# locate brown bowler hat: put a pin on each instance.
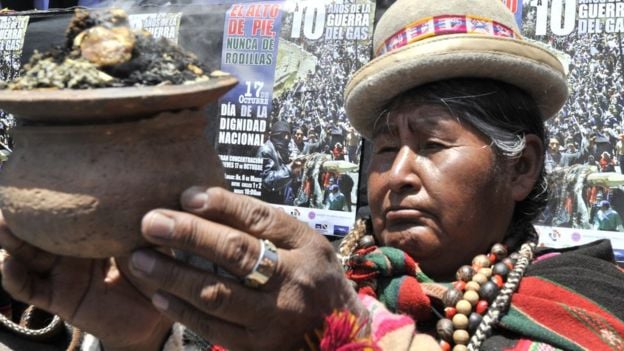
(420, 42)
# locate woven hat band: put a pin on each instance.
(445, 25)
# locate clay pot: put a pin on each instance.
(82, 189)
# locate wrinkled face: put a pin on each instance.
(435, 190)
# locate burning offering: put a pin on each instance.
(102, 51)
(111, 125)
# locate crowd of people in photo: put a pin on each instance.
(588, 131)
(6, 123)
(314, 103)
(296, 172)
(319, 131)
(8, 70)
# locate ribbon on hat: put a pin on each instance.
(445, 25)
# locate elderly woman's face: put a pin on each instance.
(435, 190)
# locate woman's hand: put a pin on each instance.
(224, 228)
(93, 295)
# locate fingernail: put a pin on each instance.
(194, 199)
(160, 302)
(143, 262)
(159, 225)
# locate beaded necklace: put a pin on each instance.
(479, 296)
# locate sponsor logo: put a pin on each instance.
(321, 228)
(295, 213)
(554, 235)
(341, 230)
(576, 236)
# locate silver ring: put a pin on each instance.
(265, 267)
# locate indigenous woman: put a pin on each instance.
(454, 104)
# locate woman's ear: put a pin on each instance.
(527, 168)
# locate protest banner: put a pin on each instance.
(283, 132)
(585, 155)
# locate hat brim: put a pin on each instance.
(520, 63)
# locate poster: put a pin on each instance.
(12, 33)
(283, 132)
(585, 155)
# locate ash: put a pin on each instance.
(101, 50)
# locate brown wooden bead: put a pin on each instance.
(464, 307)
(480, 261)
(460, 348)
(366, 241)
(444, 328)
(499, 250)
(451, 297)
(472, 297)
(465, 273)
(472, 285)
(460, 321)
(486, 272)
(461, 337)
(480, 278)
